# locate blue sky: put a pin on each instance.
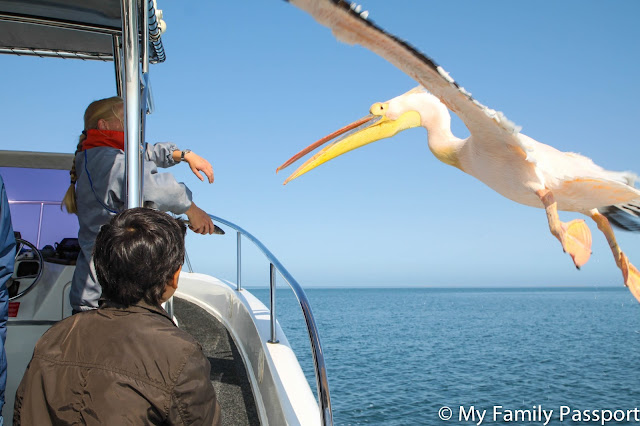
(249, 88)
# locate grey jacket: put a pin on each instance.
(100, 195)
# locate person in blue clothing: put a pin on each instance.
(7, 259)
(97, 189)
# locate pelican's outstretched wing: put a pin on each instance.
(624, 216)
(351, 26)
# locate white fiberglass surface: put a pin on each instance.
(282, 391)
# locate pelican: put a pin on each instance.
(511, 163)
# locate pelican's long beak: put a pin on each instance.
(362, 132)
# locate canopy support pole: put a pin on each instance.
(133, 151)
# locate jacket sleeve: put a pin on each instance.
(193, 400)
(163, 192)
(7, 255)
(7, 258)
(161, 154)
(19, 399)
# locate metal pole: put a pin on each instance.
(40, 225)
(239, 262)
(145, 83)
(131, 86)
(186, 258)
(56, 23)
(168, 306)
(145, 36)
(272, 270)
(117, 63)
(143, 108)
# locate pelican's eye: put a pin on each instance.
(379, 108)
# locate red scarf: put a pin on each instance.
(96, 138)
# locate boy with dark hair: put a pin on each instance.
(126, 362)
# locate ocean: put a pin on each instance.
(473, 356)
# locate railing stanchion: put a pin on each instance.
(40, 224)
(188, 262)
(168, 306)
(239, 262)
(272, 282)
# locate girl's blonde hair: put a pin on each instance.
(102, 109)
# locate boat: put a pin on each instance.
(264, 383)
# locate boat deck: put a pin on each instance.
(228, 373)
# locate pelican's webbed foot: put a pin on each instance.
(630, 273)
(574, 236)
(631, 276)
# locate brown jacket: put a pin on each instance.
(117, 366)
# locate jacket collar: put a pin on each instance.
(138, 307)
(98, 138)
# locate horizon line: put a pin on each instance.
(547, 287)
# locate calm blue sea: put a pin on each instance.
(398, 356)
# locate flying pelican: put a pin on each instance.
(496, 153)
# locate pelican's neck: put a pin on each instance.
(436, 119)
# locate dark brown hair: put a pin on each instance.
(137, 253)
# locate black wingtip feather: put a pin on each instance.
(622, 217)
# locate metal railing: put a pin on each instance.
(37, 203)
(324, 399)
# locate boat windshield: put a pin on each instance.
(34, 198)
